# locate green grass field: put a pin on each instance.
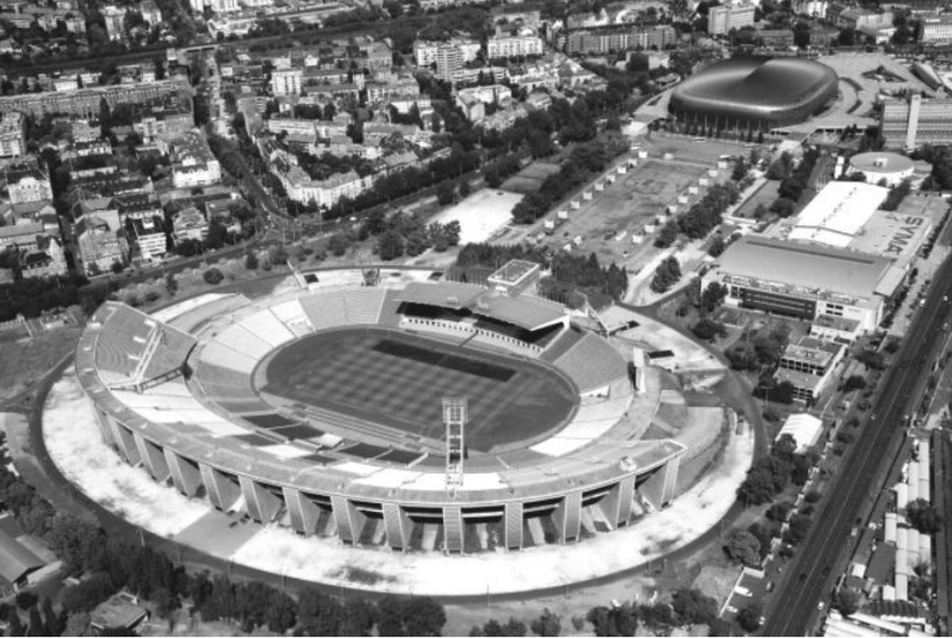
(399, 380)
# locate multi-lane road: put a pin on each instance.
(793, 607)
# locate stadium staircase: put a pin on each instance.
(363, 305)
(326, 310)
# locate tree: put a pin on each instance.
(465, 188)
(749, 617)
(390, 245)
(713, 296)
(717, 246)
(854, 382)
(667, 274)
(778, 511)
(338, 245)
(668, 235)
(213, 276)
(620, 620)
(171, 284)
(743, 547)
(708, 329)
(923, 516)
(548, 624)
(847, 601)
(251, 260)
(445, 192)
(77, 625)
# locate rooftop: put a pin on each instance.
(121, 611)
(811, 350)
(16, 561)
(838, 212)
(806, 269)
(514, 270)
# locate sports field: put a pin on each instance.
(399, 380)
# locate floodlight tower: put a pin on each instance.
(454, 418)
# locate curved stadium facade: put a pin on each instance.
(224, 399)
(754, 93)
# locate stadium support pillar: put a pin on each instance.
(626, 494)
(397, 525)
(350, 521)
(185, 476)
(127, 445)
(262, 505)
(222, 491)
(105, 426)
(153, 459)
(453, 529)
(609, 505)
(513, 526)
(568, 517)
(303, 512)
(660, 486)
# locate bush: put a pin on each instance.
(251, 260)
(844, 437)
(749, 617)
(854, 382)
(812, 496)
(213, 276)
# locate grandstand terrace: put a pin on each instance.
(378, 478)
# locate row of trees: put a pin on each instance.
(702, 217)
(570, 274)
(408, 180)
(400, 233)
(587, 160)
(771, 474)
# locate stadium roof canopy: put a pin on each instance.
(838, 213)
(806, 266)
(529, 313)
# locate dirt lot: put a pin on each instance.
(609, 220)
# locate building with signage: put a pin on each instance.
(805, 281)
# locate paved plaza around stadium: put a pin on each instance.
(398, 380)
(75, 444)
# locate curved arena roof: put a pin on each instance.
(882, 163)
(756, 90)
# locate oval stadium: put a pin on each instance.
(754, 93)
(405, 414)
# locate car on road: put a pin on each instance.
(742, 591)
(821, 605)
(731, 609)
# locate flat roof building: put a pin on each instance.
(808, 365)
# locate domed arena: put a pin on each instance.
(754, 93)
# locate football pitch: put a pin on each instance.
(398, 380)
